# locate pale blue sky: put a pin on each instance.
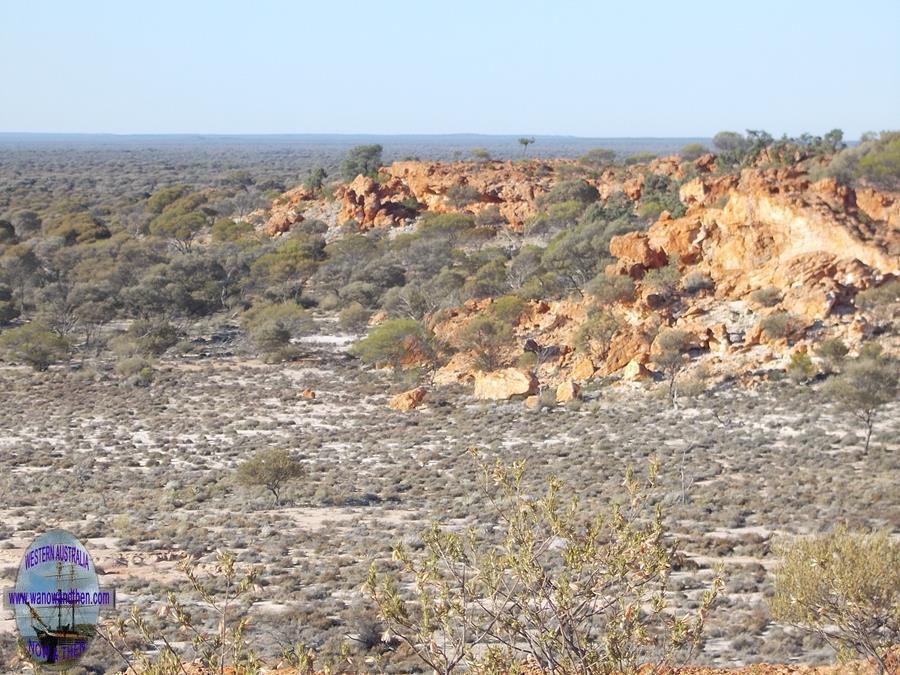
(603, 68)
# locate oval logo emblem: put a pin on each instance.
(57, 600)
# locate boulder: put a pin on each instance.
(567, 391)
(500, 385)
(583, 369)
(532, 402)
(625, 347)
(408, 400)
(635, 371)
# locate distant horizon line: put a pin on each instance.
(456, 134)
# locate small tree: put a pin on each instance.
(595, 334)
(33, 344)
(271, 468)
(179, 227)
(832, 351)
(692, 151)
(362, 160)
(487, 337)
(315, 179)
(598, 157)
(672, 358)
(866, 385)
(525, 141)
(507, 308)
(844, 587)
(396, 342)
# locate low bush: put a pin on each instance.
(33, 344)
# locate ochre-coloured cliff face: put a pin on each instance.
(817, 243)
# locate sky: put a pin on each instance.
(602, 68)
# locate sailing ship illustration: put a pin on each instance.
(62, 637)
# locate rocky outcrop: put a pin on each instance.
(285, 211)
(817, 243)
(375, 204)
(774, 229)
(501, 385)
(408, 400)
(879, 206)
(513, 188)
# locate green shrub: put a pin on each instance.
(777, 325)
(507, 308)
(801, 368)
(882, 301)
(844, 587)
(693, 151)
(33, 344)
(664, 280)
(766, 297)
(226, 230)
(153, 337)
(395, 342)
(598, 157)
(489, 216)
(354, 318)
(574, 190)
(640, 158)
(487, 337)
(460, 196)
(558, 216)
(135, 370)
(651, 210)
(832, 350)
(611, 288)
(272, 326)
(696, 282)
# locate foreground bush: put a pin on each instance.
(562, 589)
(224, 599)
(845, 587)
(33, 344)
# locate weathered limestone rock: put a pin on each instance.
(500, 385)
(583, 369)
(408, 400)
(567, 391)
(635, 371)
